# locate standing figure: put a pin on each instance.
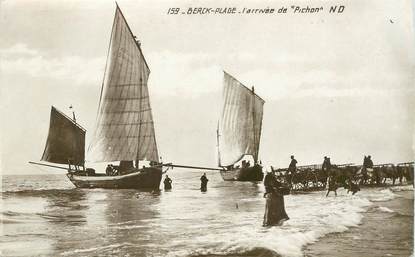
(167, 183)
(369, 163)
(203, 182)
(109, 170)
(293, 165)
(326, 167)
(274, 208)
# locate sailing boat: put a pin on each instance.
(239, 131)
(124, 129)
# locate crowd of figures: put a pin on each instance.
(350, 176)
(279, 182)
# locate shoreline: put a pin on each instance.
(385, 230)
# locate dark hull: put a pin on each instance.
(243, 174)
(147, 178)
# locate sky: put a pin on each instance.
(340, 85)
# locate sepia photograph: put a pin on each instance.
(192, 128)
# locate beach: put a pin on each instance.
(386, 230)
(44, 215)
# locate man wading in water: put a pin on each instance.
(274, 208)
(167, 183)
(203, 183)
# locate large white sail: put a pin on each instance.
(124, 128)
(240, 122)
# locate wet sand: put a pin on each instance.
(386, 230)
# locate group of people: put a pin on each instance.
(111, 170)
(331, 183)
(246, 164)
(275, 213)
(203, 183)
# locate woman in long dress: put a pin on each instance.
(274, 208)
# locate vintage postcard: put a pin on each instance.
(207, 128)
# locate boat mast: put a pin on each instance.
(74, 120)
(217, 139)
(253, 125)
(140, 116)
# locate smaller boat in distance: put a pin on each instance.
(239, 132)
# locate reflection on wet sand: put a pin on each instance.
(114, 222)
(32, 216)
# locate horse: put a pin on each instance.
(407, 172)
(344, 174)
(332, 185)
(382, 173)
(321, 177)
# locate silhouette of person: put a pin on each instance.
(274, 207)
(203, 182)
(326, 165)
(293, 165)
(108, 170)
(167, 183)
(369, 161)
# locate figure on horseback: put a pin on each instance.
(292, 169)
(331, 176)
(367, 170)
(326, 167)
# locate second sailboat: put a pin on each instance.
(239, 132)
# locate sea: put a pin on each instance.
(44, 215)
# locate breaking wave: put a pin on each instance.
(312, 216)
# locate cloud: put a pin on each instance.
(19, 59)
(18, 50)
(194, 74)
(183, 74)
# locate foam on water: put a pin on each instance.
(93, 249)
(311, 217)
(402, 188)
(225, 220)
(385, 209)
